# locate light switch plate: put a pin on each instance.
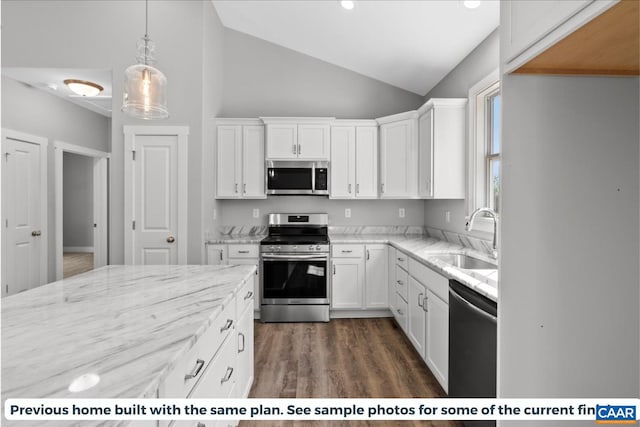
(401, 213)
(347, 213)
(256, 213)
(447, 216)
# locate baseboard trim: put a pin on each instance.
(359, 314)
(84, 249)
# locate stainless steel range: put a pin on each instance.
(294, 265)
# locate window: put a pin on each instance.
(485, 146)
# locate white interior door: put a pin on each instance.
(24, 212)
(100, 197)
(157, 169)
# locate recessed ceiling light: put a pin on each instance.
(471, 4)
(83, 87)
(347, 4)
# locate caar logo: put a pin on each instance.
(609, 414)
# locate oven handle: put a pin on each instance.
(310, 257)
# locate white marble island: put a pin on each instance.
(133, 326)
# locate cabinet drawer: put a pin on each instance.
(189, 369)
(402, 260)
(245, 296)
(219, 377)
(402, 282)
(243, 251)
(400, 312)
(436, 283)
(347, 251)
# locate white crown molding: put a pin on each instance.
(413, 114)
(298, 120)
(442, 103)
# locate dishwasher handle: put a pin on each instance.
(478, 310)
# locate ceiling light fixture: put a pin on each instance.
(347, 4)
(145, 87)
(471, 4)
(81, 87)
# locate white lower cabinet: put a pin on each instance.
(417, 316)
(216, 254)
(376, 295)
(437, 338)
(347, 283)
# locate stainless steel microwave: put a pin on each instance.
(297, 178)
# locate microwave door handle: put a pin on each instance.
(313, 178)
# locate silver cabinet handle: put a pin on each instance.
(346, 251)
(400, 312)
(299, 149)
(236, 187)
(248, 295)
(196, 370)
(334, 269)
(227, 376)
(227, 325)
(240, 350)
(244, 188)
(243, 252)
(357, 188)
(420, 296)
(221, 255)
(400, 282)
(294, 149)
(368, 255)
(382, 187)
(400, 259)
(349, 188)
(424, 304)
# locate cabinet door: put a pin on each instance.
(398, 178)
(216, 254)
(417, 315)
(343, 152)
(425, 149)
(391, 284)
(313, 142)
(229, 161)
(347, 281)
(366, 163)
(244, 355)
(376, 287)
(437, 345)
(256, 284)
(282, 141)
(253, 178)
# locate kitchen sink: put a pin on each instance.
(465, 262)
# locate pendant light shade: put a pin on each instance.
(145, 87)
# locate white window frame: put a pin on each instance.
(477, 149)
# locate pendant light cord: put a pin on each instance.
(146, 29)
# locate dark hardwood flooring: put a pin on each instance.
(345, 358)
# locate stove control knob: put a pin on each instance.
(317, 247)
(311, 247)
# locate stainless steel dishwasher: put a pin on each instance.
(472, 346)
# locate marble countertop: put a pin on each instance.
(232, 239)
(128, 324)
(423, 249)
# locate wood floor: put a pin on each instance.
(76, 263)
(345, 358)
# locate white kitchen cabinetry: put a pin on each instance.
(417, 316)
(441, 147)
(217, 255)
(354, 159)
(359, 280)
(399, 156)
(240, 159)
(290, 138)
(529, 27)
(399, 289)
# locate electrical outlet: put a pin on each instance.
(256, 213)
(401, 212)
(447, 216)
(347, 213)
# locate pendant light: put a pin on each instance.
(145, 87)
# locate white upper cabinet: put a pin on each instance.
(529, 27)
(240, 159)
(441, 148)
(354, 160)
(290, 138)
(399, 156)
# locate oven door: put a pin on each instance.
(294, 279)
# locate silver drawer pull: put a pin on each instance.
(400, 282)
(227, 325)
(227, 376)
(243, 252)
(240, 350)
(344, 251)
(248, 295)
(196, 370)
(400, 312)
(420, 303)
(400, 259)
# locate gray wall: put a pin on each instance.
(363, 212)
(75, 38)
(77, 203)
(33, 111)
(478, 64)
(568, 309)
(264, 79)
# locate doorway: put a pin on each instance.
(81, 209)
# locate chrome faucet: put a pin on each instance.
(494, 216)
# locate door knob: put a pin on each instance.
(36, 233)
(171, 239)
